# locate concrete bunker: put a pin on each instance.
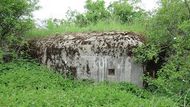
(96, 56)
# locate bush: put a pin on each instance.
(167, 51)
(15, 21)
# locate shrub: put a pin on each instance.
(15, 20)
(167, 51)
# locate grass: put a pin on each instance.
(28, 84)
(100, 26)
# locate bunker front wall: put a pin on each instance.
(98, 57)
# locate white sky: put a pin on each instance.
(58, 8)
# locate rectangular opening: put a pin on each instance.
(111, 72)
(73, 72)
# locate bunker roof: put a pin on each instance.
(98, 42)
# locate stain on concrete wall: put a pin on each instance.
(97, 56)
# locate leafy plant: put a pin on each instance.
(16, 19)
(167, 51)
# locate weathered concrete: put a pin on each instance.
(97, 56)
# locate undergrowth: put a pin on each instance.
(28, 84)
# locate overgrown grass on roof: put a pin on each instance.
(99, 27)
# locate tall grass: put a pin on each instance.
(99, 27)
(27, 84)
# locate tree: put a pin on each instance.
(15, 20)
(96, 10)
(122, 10)
(126, 11)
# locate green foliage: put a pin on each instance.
(174, 76)
(50, 24)
(143, 55)
(15, 19)
(122, 10)
(168, 47)
(25, 83)
(96, 11)
(98, 27)
(185, 27)
(1, 55)
(168, 18)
